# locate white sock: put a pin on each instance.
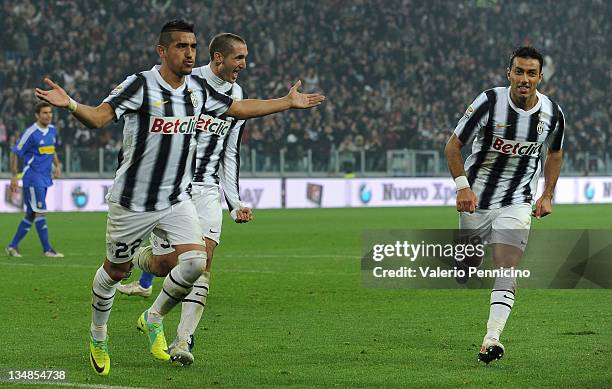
(193, 307)
(178, 283)
(103, 294)
(502, 301)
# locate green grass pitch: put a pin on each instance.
(287, 308)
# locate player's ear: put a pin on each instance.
(218, 58)
(508, 73)
(161, 51)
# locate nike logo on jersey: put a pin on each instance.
(213, 232)
(160, 103)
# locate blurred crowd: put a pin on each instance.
(398, 74)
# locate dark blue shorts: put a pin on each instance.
(34, 198)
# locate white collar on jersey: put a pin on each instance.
(163, 82)
(535, 108)
(216, 81)
(43, 130)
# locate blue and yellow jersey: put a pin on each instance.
(37, 148)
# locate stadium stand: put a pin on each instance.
(397, 73)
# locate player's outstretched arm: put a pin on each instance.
(245, 109)
(466, 198)
(552, 170)
(92, 117)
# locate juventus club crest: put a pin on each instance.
(194, 99)
(541, 123)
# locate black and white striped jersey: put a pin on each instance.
(504, 165)
(218, 154)
(155, 166)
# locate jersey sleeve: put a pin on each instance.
(216, 103)
(127, 96)
(555, 139)
(230, 168)
(24, 144)
(474, 118)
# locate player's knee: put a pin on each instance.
(507, 262)
(507, 255)
(194, 260)
(119, 274)
(118, 271)
(30, 216)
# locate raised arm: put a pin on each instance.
(92, 117)
(245, 109)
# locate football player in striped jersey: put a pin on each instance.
(512, 129)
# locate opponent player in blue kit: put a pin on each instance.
(41, 164)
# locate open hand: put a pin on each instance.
(56, 96)
(303, 100)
